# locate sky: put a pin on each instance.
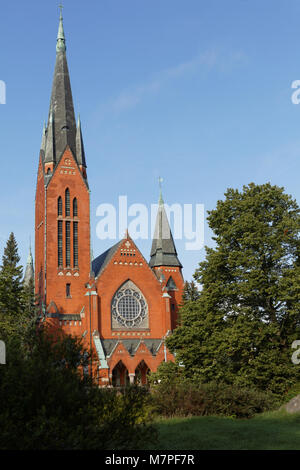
(197, 92)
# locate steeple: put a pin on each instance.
(163, 252)
(61, 130)
(29, 271)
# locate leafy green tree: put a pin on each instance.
(242, 326)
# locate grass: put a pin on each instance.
(268, 431)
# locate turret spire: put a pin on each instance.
(79, 145)
(163, 252)
(29, 271)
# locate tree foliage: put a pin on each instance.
(190, 292)
(47, 403)
(17, 301)
(11, 289)
(242, 326)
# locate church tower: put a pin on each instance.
(165, 263)
(62, 205)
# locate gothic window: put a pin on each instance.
(68, 238)
(171, 284)
(60, 243)
(129, 308)
(75, 207)
(59, 206)
(75, 244)
(67, 202)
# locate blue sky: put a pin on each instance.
(198, 92)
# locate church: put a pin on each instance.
(120, 304)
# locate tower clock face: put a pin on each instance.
(129, 308)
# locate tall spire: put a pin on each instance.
(61, 110)
(163, 251)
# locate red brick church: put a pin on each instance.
(121, 304)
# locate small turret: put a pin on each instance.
(29, 271)
(163, 252)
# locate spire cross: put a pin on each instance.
(160, 180)
(60, 6)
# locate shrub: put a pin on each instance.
(188, 398)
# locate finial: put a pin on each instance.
(161, 201)
(29, 259)
(61, 41)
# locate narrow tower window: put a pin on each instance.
(60, 243)
(67, 202)
(59, 206)
(75, 207)
(68, 290)
(68, 237)
(75, 244)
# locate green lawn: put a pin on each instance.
(268, 431)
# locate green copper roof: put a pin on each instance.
(61, 40)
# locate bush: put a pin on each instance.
(46, 403)
(188, 398)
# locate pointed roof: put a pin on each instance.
(61, 112)
(29, 271)
(102, 260)
(80, 154)
(163, 251)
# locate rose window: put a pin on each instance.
(129, 308)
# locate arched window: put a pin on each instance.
(75, 207)
(68, 240)
(59, 206)
(129, 308)
(67, 202)
(171, 284)
(60, 243)
(75, 244)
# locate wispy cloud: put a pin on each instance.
(210, 59)
(130, 98)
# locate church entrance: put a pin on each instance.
(120, 377)
(141, 373)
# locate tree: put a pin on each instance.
(190, 292)
(242, 326)
(47, 403)
(11, 289)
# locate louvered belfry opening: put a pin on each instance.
(70, 227)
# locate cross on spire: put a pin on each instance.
(160, 180)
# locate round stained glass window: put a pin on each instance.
(129, 308)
